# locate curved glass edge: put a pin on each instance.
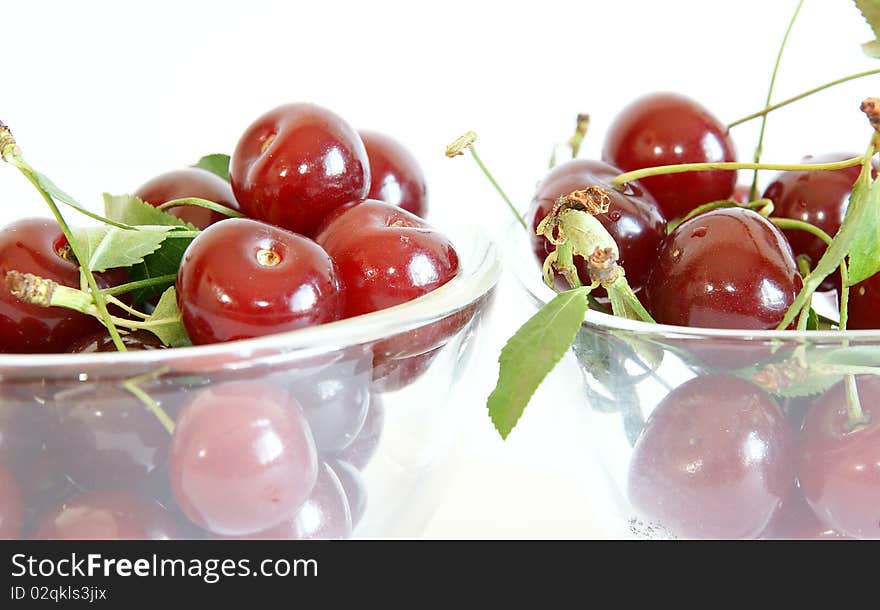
(478, 275)
(517, 249)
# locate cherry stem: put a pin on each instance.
(201, 203)
(680, 168)
(565, 264)
(12, 155)
(855, 416)
(161, 280)
(760, 145)
(791, 224)
(801, 96)
(497, 186)
(152, 405)
(758, 206)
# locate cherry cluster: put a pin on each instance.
(727, 267)
(331, 227)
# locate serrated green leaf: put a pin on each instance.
(164, 261)
(131, 210)
(812, 320)
(166, 321)
(57, 194)
(105, 247)
(531, 353)
(217, 163)
(870, 10)
(864, 251)
(811, 386)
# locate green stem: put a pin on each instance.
(148, 283)
(625, 302)
(114, 301)
(759, 147)
(758, 205)
(201, 203)
(565, 264)
(801, 96)
(152, 405)
(855, 416)
(681, 168)
(18, 162)
(497, 186)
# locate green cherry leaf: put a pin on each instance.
(131, 210)
(107, 247)
(217, 163)
(58, 195)
(870, 10)
(864, 252)
(166, 321)
(531, 353)
(811, 386)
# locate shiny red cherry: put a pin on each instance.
(395, 175)
(386, 256)
(35, 245)
(727, 268)
(633, 218)
(713, 461)
(667, 129)
(107, 515)
(296, 164)
(819, 198)
(839, 466)
(864, 305)
(189, 182)
(795, 520)
(241, 278)
(242, 458)
(11, 512)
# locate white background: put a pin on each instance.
(104, 95)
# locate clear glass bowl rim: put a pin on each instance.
(480, 269)
(518, 250)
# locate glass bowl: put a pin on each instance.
(83, 435)
(705, 433)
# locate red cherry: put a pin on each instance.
(393, 375)
(839, 469)
(666, 129)
(324, 515)
(396, 176)
(819, 198)
(139, 340)
(242, 458)
(864, 304)
(714, 460)
(795, 520)
(108, 515)
(727, 268)
(189, 182)
(386, 256)
(32, 246)
(11, 514)
(363, 448)
(296, 164)
(241, 278)
(633, 219)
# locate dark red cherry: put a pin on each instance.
(296, 164)
(727, 268)
(386, 256)
(11, 512)
(108, 515)
(795, 520)
(667, 129)
(189, 182)
(633, 219)
(324, 515)
(361, 451)
(714, 460)
(864, 305)
(393, 375)
(241, 278)
(395, 175)
(839, 466)
(819, 198)
(139, 340)
(35, 245)
(107, 437)
(242, 458)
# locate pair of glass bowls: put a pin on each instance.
(375, 391)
